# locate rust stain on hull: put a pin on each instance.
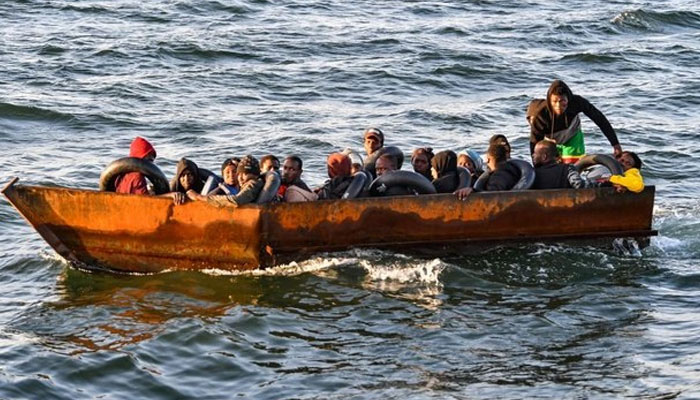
(149, 234)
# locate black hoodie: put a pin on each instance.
(445, 163)
(543, 121)
(182, 165)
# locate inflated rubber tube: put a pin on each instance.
(465, 178)
(269, 190)
(355, 157)
(357, 185)
(527, 177)
(133, 164)
(394, 151)
(408, 179)
(603, 159)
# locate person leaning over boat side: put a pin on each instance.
(420, 160)
(549, 172)
(135, 182)
(339, 166)
(269, 162)
(186, 177)
(557, 118)
(444, 171)
(248, 175)
(631, 179)
(293, 189)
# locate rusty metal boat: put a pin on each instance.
(129, 233)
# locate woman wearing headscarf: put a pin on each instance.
(420, 160)
(444, 171)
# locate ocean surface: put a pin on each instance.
(212, 79)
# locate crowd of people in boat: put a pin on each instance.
(556, 144)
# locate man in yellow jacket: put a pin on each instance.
(631, 179)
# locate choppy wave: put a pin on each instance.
(657, 20)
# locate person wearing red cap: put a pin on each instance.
(374, 140)
(339, 166)
(135, 182)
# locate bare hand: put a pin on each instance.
(179, 198)
(617, 150)
(463, 193)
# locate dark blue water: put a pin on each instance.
(213, 79)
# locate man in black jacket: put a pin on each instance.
(549, 172)
(557, 118)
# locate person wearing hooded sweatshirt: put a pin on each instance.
(339, 166)
(444, 171)
(420, 160)
(186, 177)
(557, 118)
(248, 174)
(135, 182)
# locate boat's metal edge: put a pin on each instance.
(9, 184)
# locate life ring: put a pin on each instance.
(465, 178)
(272, 185)
(527, 177)
(133, 164)
(355, 157)
(603, 159)
(371, 160)
(408, 179)
(357, 185)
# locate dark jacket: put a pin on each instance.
(334, 188)
(182, 165)
(543, 122)
(504, 178)
(557, 176)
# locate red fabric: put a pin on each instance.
(131, 183)
(140, 148)
(339, 165)
(282, 190)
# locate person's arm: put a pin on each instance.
(178, 198)
(583, 105)
(538, 127)
(574, 178)
(248, 194)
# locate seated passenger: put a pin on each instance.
(444, 172)
(230, 176)
(186, 177)
(135, 182)
(339, 167)
(549, 172)
(293, 189)
(248, 175)
(373, 140)
(385, 163)
(504, 175)
(472, 162)
(631, 179)
(269, 162)
(420, 160)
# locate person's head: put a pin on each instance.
(186, 176)
(545, 153)
(385, 163)
(338, 165)
(291, 169)
(420, 159)
(558, 97)
(269, 162)
(501, 139)
(228, 171)
(443, 163)
(464, 161)
(496, 155)
(248, 169)
(629, 160)
(142, 148)
(187, 179)
(374, 140)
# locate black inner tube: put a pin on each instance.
(406, 179)
(603, 159)
(133, 164)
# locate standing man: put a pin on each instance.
(556, 118)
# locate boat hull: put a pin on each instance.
(149, 234)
